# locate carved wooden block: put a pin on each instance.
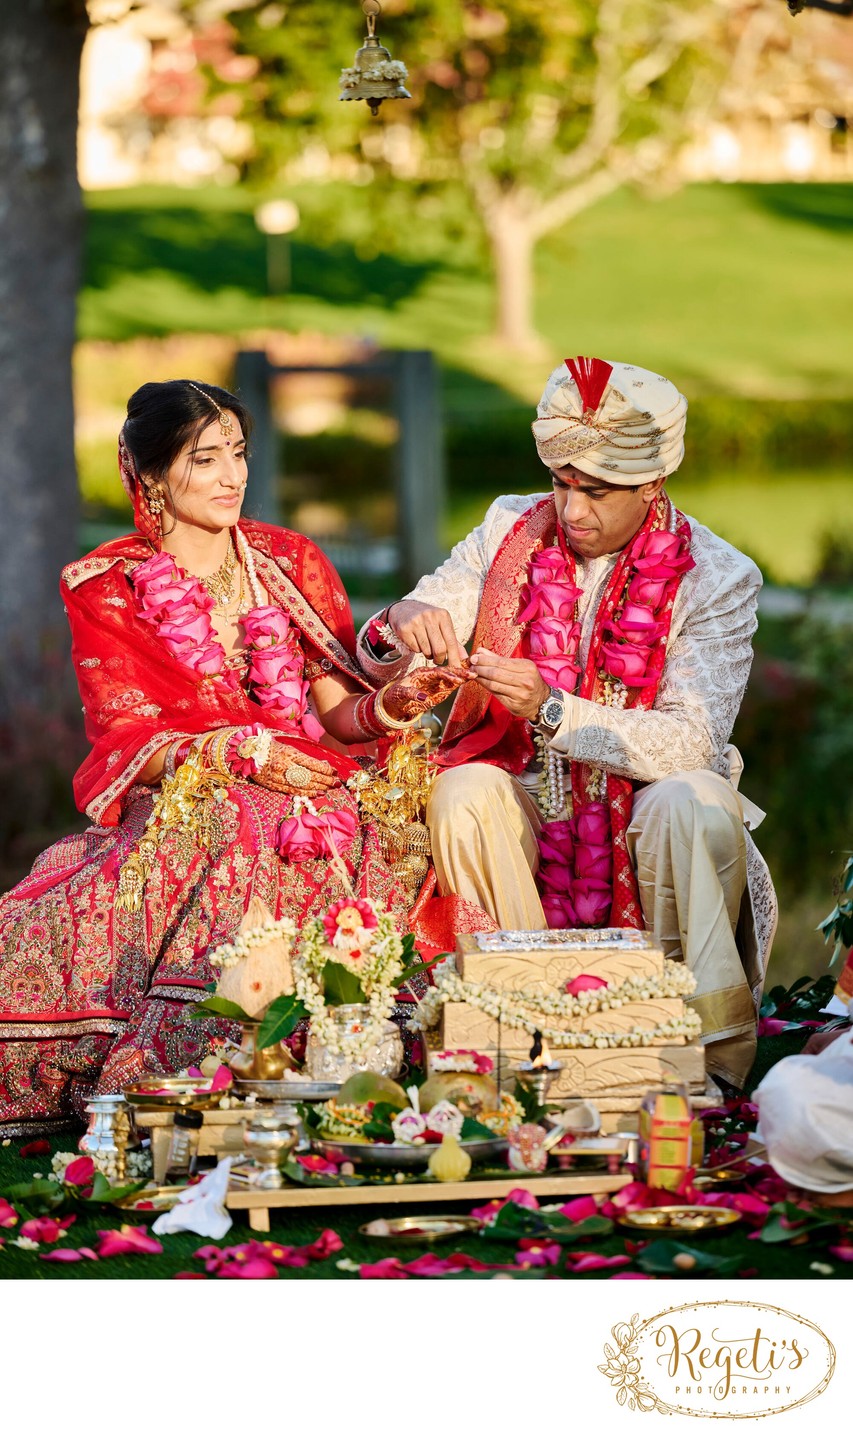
(463, 1026)
(598, 1073)
(544, 962)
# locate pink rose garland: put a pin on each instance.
(179, 607)
(576, 856)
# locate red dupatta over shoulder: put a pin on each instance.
(137, 696)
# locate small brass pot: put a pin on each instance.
(254, 1062)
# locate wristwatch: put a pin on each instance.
(551, 713)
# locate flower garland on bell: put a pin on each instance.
(178, 608)
(373, 952)
(228, 955)
(524, 1008)
(575, 876)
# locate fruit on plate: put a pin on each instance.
(363, 1088)
(469, 1092)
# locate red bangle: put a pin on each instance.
(182, 752)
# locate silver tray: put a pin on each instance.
(286, 1090)
(400, 1156)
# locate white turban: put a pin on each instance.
(611, 420)
(805, 1107)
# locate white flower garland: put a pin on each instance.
(376, 972)
(508, 1008)
(228, 955)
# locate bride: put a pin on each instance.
(220, 649)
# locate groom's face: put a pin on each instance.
(599, 518)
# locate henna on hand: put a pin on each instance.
(289, 771)
(421, 690)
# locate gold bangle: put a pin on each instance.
(385, 718)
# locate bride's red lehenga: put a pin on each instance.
(92, 995)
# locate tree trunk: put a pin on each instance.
(41, 223)
(512, 246)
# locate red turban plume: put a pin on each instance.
(590, 376)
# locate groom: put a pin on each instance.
(587, 778)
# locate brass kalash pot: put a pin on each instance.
(260, 1063)
(374, 76)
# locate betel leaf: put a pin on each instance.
(102, 1191)
(415, 968)
(472, 1131)
(37, 1197)
(514, 1221)
(298, 1174)
(341, 987)
(282, 1017)
(379, 1127)
(660, 1258)
(214, 1007)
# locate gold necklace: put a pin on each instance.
(230, 610)
(218, 584)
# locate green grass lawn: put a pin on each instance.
(741, 289)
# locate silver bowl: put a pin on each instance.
(400, 1157)
(287, 1090)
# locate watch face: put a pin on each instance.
(552, 713)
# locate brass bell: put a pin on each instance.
(374, 76)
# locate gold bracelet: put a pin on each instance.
(218, 746)
(385, 718)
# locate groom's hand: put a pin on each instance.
(516, 683)
(427, 630)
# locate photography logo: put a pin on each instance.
(718, 1359)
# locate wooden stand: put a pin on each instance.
(259, 1204)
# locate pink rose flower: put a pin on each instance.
(191, 632)
(307, 835)
(207, 660)
(582, 1207)
(557, 842)
(559, 911)
(594, 860)
(592, 900)
(80, 1173)
(299, 839)
(549, 566)
(554, 636)
(265, 626)
(559, 672)
(628, 663)
(646, 591)
(556, 878)
(8, 1215)
(592, 824)
(547, 601)
(584, 983)
(288, 697)
(637, 625)
(278, 665)
(664, 556)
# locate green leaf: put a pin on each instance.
(340, 986)
(473, 1130)
(533, 1111)
(379, 1127)
(298, 1174)
(280, 1020)
(214, 1007)
(514, 1222)
(659, 1257)
(34, 1199)
(415, 968)
(106, 1194)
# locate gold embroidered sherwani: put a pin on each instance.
(706, 891)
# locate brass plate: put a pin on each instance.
(679, 1217)
(160, 1090)
(719, 1177)
(418, 1229)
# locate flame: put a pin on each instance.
(540, 1053)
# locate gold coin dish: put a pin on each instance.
(679, 1217)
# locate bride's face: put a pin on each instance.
(208, 478)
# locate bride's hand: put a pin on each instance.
(289, 771)
(421, 690)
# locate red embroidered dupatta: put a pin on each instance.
(137, 697)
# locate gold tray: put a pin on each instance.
(679, 1217)
(160, 1090)
(419, 1229)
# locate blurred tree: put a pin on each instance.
(40, 236)
(540, 109)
